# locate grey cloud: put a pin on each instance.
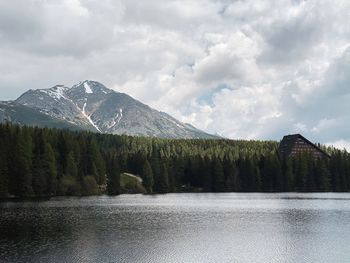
(293, 40)
(19, 21)
(52, 28)
(284, 63)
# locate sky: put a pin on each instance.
(243, 69)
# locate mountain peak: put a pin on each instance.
(91, 86)
(90, 105)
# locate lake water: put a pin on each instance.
(178, 228)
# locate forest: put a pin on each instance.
(42, 162)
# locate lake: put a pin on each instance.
(227, 227)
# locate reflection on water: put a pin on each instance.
(178, 228)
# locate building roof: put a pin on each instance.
(288, 141)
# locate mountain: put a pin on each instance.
(89, 105)
(20, 114)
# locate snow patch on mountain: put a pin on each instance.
(88, 117)
(114, 121)
(120, 115)
(87, 88)
(56, 92)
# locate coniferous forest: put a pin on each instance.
(50, 162)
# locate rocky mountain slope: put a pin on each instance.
(89, 105)
(20, 114)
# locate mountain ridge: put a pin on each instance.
(89, 105)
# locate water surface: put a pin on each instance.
(178, 228)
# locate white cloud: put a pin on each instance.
(340, 144)
(243, 69)
(76, 8)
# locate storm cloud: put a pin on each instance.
(243, 69)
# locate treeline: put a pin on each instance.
(49, 162)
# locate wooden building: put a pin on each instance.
(292, 145)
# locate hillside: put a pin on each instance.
(49, 162)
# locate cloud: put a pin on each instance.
(340, 144)
(246, 69)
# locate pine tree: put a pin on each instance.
(218, 176)
(287, 169)
(310, 179)
(248, 174)
(205, 170)
(50, 169)
(163, 185)
(147, 177)
(96, 165)
(113, 175)
(3, 172)
(62, 153)
(323, 176)
(232, 183)
(171, 176)
(258, 182)
(179, 171)
(72, 168)
(156, 169)
(301, 172)
(24, 163)
(193, 175)
(276, 168)
(39, 178)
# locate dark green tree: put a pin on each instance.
(301, 172)
(71, 166)
(206, 172)
(3, 172)
(24, 163)
(287, 170)
(323, 176)
(96, 165)
(163, 185)
(113, 175)
(147, 177)
(218, 176)
(248, 174)
(50, 170)
(232, 182)
(156, 169)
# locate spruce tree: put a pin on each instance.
(3, 173)
(24, 163)
(311, 176)
(113, 175)
(206, 172)
(278, 180)
(232, 183)
(248, 174)
(288, 175)
(171, 176)
(147, 177)
(323, 176)
(163, 185)
(71, 166)
(156, 169)
(38, 177)
(301, 172)
(96, 165)
(218, 176)
(50, 169)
